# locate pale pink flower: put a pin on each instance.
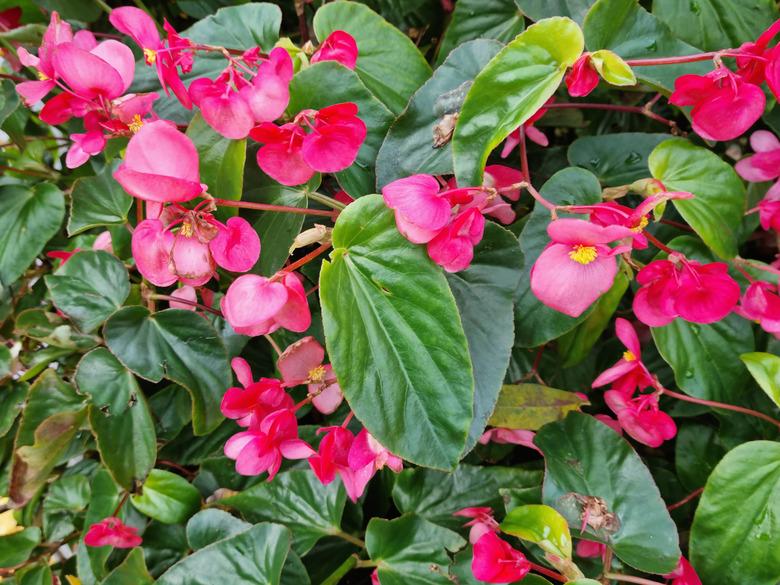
(301, 363)
(522, 437)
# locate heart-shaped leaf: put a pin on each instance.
(531, 406)
(167, 497)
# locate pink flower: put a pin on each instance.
(629, 373)
(724, 105)
(610, 422)
(641, 418)
(499, 180)
(104, 242)
(588, 549)
(501, 436)
(481, 522)
(255, 305)
(332, 458)
(375, 577)
(421, 208)
(105, 71)
(161, 164)
(582, 78)
(112, 532)
(88, 144)
(531, 132)
(262, 447)
(453, 246)
(301, 363)
(366, 457)
(340, 46)
(761, 304)
(769, 209)
(256, 400)
(184, 293)
(57, 33)
(684, 574)
(754, 56)
(495, 561)
(678, 287)
(577, 267)
(140, 27)
(325, 141)
(764, 165)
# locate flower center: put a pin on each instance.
(135, 124)
(317, 375)
(42, 76)
(641, 225)
(583, 254)
(150, 55)
(629, 356)
(186, 229)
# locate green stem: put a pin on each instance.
(351, 539)
(103, 6)
(325, 200)
(344, 568)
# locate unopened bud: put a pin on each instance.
(319, 234)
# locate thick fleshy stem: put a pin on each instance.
(548, 572)
(692, 496)
(631, 579)
(720, 405)
(325, 200)
(188, 302)
(658, 243)
(279, 208)
(352, 539)
(540, 199)
(641, 110)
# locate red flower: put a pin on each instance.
(641, 418)
(256, 400)
(761, 304)
(340, 46)
(582, 78)
(112, 532)
(495, 561)
(629, 373)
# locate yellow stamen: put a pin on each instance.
(186, 229)
(72, 580)
(629, 356)
(136, 124)
(42, 76)
(583, 254)
(641, 225)
(150, 55)
(317, 375)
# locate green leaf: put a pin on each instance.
(435, 495)
(409, 147)
(716, 24)
(221, 161)
(541, 525)
(16, 548)
(531, 406)
(719, 203)
(109, 385)
(484, 293)
(9, 99)
(104, 499)
(692, 349)
(97, 201)
(254, 556)
(616, 159)
(167, 497)
(327, 83)
(480, 19)
(72, 9)
(765, 369)
(66, 499)
(411, 551)
(132, 571)
(396, 341)
(11, 404)
(208, 526)
(697, 452)
(733, 532)
(178, 345)
(126, 442)
(298, 500)
(29, 217)
(624, 27)
(389, 64)
(536, 323)
(277, 231)
(612, 68)
(583, 582)
(584, 459)
(538, 9)
(510, 89)
(52, 329)
(89, 287)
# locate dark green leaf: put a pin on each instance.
(396, 342)
(538, 9)
(697, 452)
(89, 287)
(510, 89)
(409, 146)
(733, 537)
(484, 294)
(52, 329)
(277, 231)
(72, 9)
(208, 526)
(585, 458)
(132, 571)
(109, 385)
(298, 500)
(9, 99)
(179, 345)
(11, 404)
(16, 548)
(324, 84)
(389, 64)
(97, 201)
(167, 497)
(29, 217)
(616, 159)
(531, 406)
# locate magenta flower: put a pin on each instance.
(641, 418)
(499, 181)
(112, 532)
(532, 132)
(495, 561)
(262, 447)
(761, 304)
(340, 46)
(629, 373)
(577, 267)
(332, 457)
(481, 522)
(582, 78)
(140, 27)
(57, 33)
(522, 437)
(301, 363)
(754, 56)
(453, 247)
(421, 208)
(256, 400)
(161, 164)
(724, 105)
(678, 287)
(325, 141)
(104, 71)
(589, 549)
(684, 574)
(255, 305)
(366, 457)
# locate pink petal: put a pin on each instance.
(620, 369)
(284, 164)
(764, 141)
(340, 46)
(328, 401)
(191, 260)
(252, 299)
(243, 371)
(583, 78)
(237, 245)
(188, 294)
(226, 111)
(295, 314)
(269, 93)
(335, 147)
(151, 246)
(729, 115)
(627, 335)
(418, 199)
(120, 57)
(237, 442)
(296, 449)
(502, 176)
(579, 231)
(763, 166)
(299, 359)
(34, 91)
(136, 24)
(86, 74)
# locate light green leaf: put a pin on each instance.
(167, 497)
(765, 369)
(612, 68)
(396, 342)
(510, 89)
(531, 406)
(541, 525)
(132, 571)
(97, 201)
(16, 548)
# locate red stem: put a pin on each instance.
(301, 261)
(279, 208)
(658, 243)
(673, 60)
(524, 155)
(641, 110)
(541, 200)
(721, 405)
(548, 573)
(170, 298)
(120, 504)
(677, 224)
(692, 496)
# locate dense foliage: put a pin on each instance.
(409, 292)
